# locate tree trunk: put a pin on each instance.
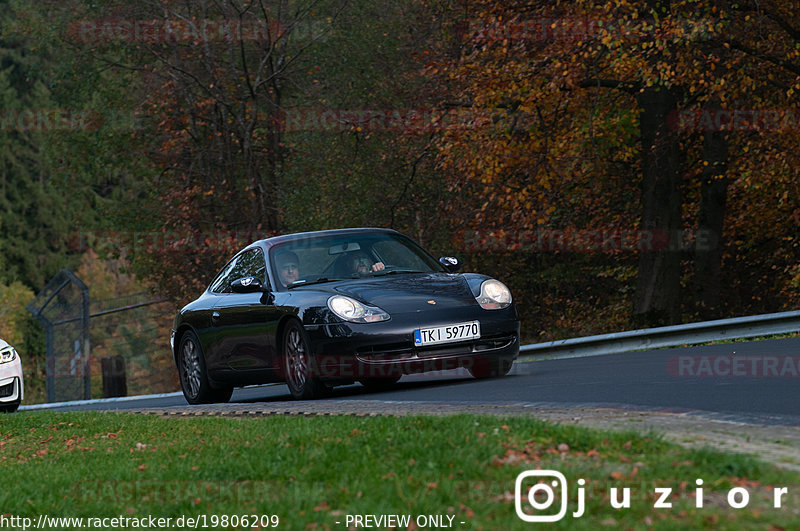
(708, 245)
(657, 298)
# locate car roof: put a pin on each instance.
(269, 242)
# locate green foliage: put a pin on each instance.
(13, 314)
(33, 217)
(356, 170)
(105, 464)
(181, 145)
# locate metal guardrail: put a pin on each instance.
(666, 336)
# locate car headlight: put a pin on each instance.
(355, 312)
(8, 354)
(494, 295)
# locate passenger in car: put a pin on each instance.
(360, 264)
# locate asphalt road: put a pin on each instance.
(753, 382)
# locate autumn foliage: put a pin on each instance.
(619, 164)
(634, 116)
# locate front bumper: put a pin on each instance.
(11, 386)
(348, 351)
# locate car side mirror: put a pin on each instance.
(450, 263)
(247, 285)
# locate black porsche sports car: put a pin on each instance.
(327, 308)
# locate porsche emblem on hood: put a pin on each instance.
(431, 302)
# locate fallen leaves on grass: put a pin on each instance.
(744, 482)
(466, 510)
(507, 496)
(535, 450)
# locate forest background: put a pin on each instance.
(619, 165)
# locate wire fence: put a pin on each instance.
(131, 334)
(103, 347)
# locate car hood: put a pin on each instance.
(409, 292)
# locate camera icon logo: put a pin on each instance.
(531, 496)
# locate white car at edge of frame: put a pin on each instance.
(12, 390)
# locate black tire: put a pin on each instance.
(379, 383)
(9, 407)
(194, 376)
(298, 364)
(490, 367)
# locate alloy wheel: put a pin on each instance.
(190, 365)
(296, 360)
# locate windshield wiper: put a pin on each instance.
(320, 280)
(395, 272)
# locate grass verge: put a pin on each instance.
(313, 472)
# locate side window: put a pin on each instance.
(250, 263)
(222, 284)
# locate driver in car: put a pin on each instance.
(288, 268)
(361, 264)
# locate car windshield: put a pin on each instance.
(320, 258)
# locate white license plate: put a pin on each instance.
(447, 334)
